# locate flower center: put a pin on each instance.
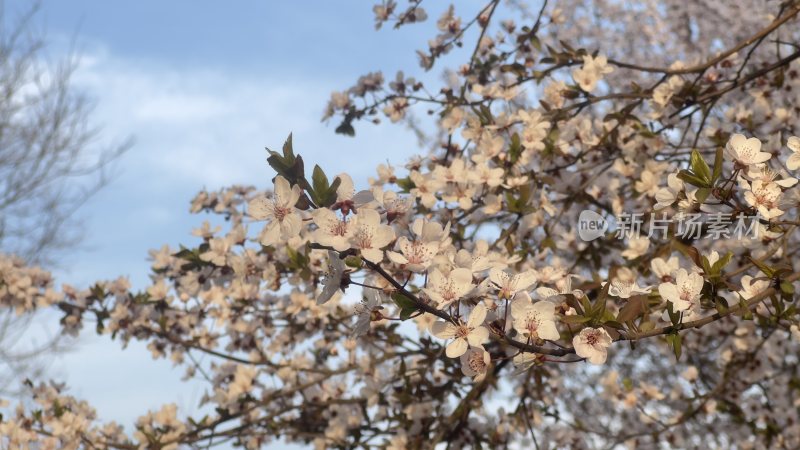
(280, 212)
(476, 362)
(533, 325)
(746, 153)
(364, 237)
(447, 291)
(337, 227)
(418, 253)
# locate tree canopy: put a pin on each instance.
(596, 248)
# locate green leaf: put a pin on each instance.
(767, 270)
(716, 269)
(599, 307)
(406, 184)
(353, 261)
(674, 316)
(515, 150)
(721, 304)
(406, 305)
(699, 167)
(346, 128)
(718, 160)
(747, 314)
(406, 313)
(486, 115)
(288, 165)
(631, 310)
(277, 163)
(537, 44)
(288, 150)
(692, 179)
(328, 198)
(674, 341)
(319, 179)
(574, 320)
(702, 194)
(614, 324)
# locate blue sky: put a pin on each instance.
(202, 87)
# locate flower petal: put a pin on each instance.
(456, 348)
(477, 316)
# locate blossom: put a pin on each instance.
(591, 72)
(637, 246)
(453, 119)
(394, 205)
(535, 320)
(745, 151)
(446, 289)
(347, 198)
(490, 176)
(685, 292)
(592, 344)
(284, 222)
(795, 330)
(218, 250)
(768, 175)
(668, 195)
(535, 131)
(664, 270)
(470, 334)
(331, 230)
(242, 381)
(370, 304)
(524, 361)
(552, 93)
(751, 287)
(396, 109)
(793, 163)
(370, 236)
(764, 196)
(417, 255)
(475, 362)
(509, 285)
(625, 288)
(563, 285)
(333, 278)
(663, 93)
(647, 184)
(425, 188)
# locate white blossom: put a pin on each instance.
(509, 285)
(333, 278)
(793, 163)
(446, 289)
(592, 344)
(752, 287)
(370, 236)
(684, 294)
(464, 335)
(475, 362)
(745, 151)
(284, 222)
(534, 320)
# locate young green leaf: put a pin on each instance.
(700, 168)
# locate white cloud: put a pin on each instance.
(209, 128)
